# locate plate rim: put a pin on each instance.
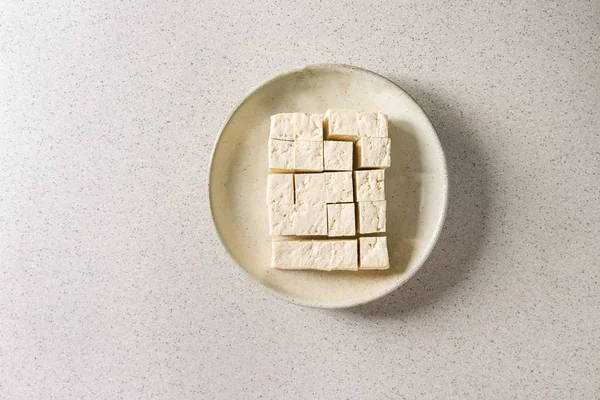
(347, 304)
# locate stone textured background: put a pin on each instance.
(112, 281)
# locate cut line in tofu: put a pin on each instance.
(281, 156)
(325, 255)
(369, 185)
(337, 155)
(373, 152)
(371, 216)
(341, 124)
(373, 253)
(297, 126)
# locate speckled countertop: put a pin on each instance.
(112, 281)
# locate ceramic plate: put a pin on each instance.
(416, 183)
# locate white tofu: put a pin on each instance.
(282, 126)
(338, 187)
(341, 124)
(373, 152)
(337, 155)
(341, 220)
(324, 255)
(300, 254)
(373, 253)
(281, 156)
(344, 255)
(310, 188)
(308, 156)
(282, 219)
(308, 127)
(280, 189)
(369, 185)
(311, 219)
(372, 124)
(371, 216)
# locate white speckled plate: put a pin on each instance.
(416, 184)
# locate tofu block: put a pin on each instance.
(344, 255)
(308, 156)
(371, 216)
(373, 253)
(300, 254)
(308, 127)
(280, 189)
(281, 156)
(338, 187)
(373, 152)
(369, 185)
(310, 188)
(372, 124)
(341, 124)
(324, 255)
(337, 156)
(282, 126)
(311, 219)
(340, 219)
(282, 219)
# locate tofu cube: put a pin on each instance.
(280, 189)
(341, 220)
(282, 219)
(310, 188)
(308, 156)
(372, 124)
(300, 254)
(311, 219)
(371, 216)
(338, 187)
(282, 127)
(308, 127)
(373, 253)
(369, 185)
(373, 152)
(337, 156)
(343, 255)
(281, 156)
(341, 124)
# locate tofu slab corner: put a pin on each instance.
(341, 219)
(281, 156)
(371, 216)
(373, 253)
(337, 155)
(341, 124)
(370, 185)
(338, 187)
(282, 126)
(373, 152)
(308, 156)
(280, 189)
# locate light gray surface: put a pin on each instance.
(113, 284)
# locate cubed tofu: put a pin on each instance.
(311, 219)
(341, 220)
(282, 127)
(341, 124)
(324, 255)
(281, 156)
(369, 185)
(337, 155)
(373, 152)
(280, 189)
(372, 124)
(282, 219)
(300, 254)
(308, 156)
(338, 187)
(371, 216)
(308, 127)
(310, 188)
(344, 255)
(373, 253)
